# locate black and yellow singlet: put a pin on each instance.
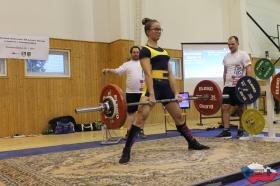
(158, 56)
(159, 59)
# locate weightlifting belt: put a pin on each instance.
(160, 74)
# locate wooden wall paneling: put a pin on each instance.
(29, 108)
(191, 113)
(16, 123)
(97, 56)
(32, 102)
(4, 107)
(118, 54)
(27, 104)
(94, 60)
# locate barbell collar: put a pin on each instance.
(91, 109)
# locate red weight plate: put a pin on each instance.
(213, 103)
(275, 86)
(119, 109)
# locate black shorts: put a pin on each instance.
(232, 100)
(162, 90)
(132, 98)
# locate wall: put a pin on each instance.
(266, 13)
(27, 104)
(101, 15)
(109, 20)
(188, 21)
(57, 19)
(89, 20)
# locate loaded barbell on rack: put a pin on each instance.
(207, 98)
(252, 120)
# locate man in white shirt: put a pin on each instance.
(237, 64)
(134, 84)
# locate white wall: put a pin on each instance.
(188, 21)
(54, 18)
(127, 19)
(90, 20)
(236, 10)
(109, 20)
(113, 20)
(100, 20)
(267, 14)
(197, 21)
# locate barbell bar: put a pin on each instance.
(106, 105)
(99, 108)
(169, 100)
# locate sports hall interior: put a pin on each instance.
(98, 34)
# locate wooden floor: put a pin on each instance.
(25, 142)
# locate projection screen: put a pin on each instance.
(203, 61)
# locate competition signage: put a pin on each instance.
(24, 47)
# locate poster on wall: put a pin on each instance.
(24, 47)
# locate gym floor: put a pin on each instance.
(9, 146)
(33, 141)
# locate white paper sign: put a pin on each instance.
(24, 47)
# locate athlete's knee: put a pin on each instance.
(179, 116)
(140, 116)
(225, 108)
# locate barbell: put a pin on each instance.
(207, 98)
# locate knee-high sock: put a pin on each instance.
(134, 130)
(185, 131)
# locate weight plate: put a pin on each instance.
(252, 121)
(264, 68)
(211, 105)
(116, 116)
(247, 90)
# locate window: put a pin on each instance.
(3, 68)
(175, 64)
(57, 65)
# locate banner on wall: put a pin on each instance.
(24, 47)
